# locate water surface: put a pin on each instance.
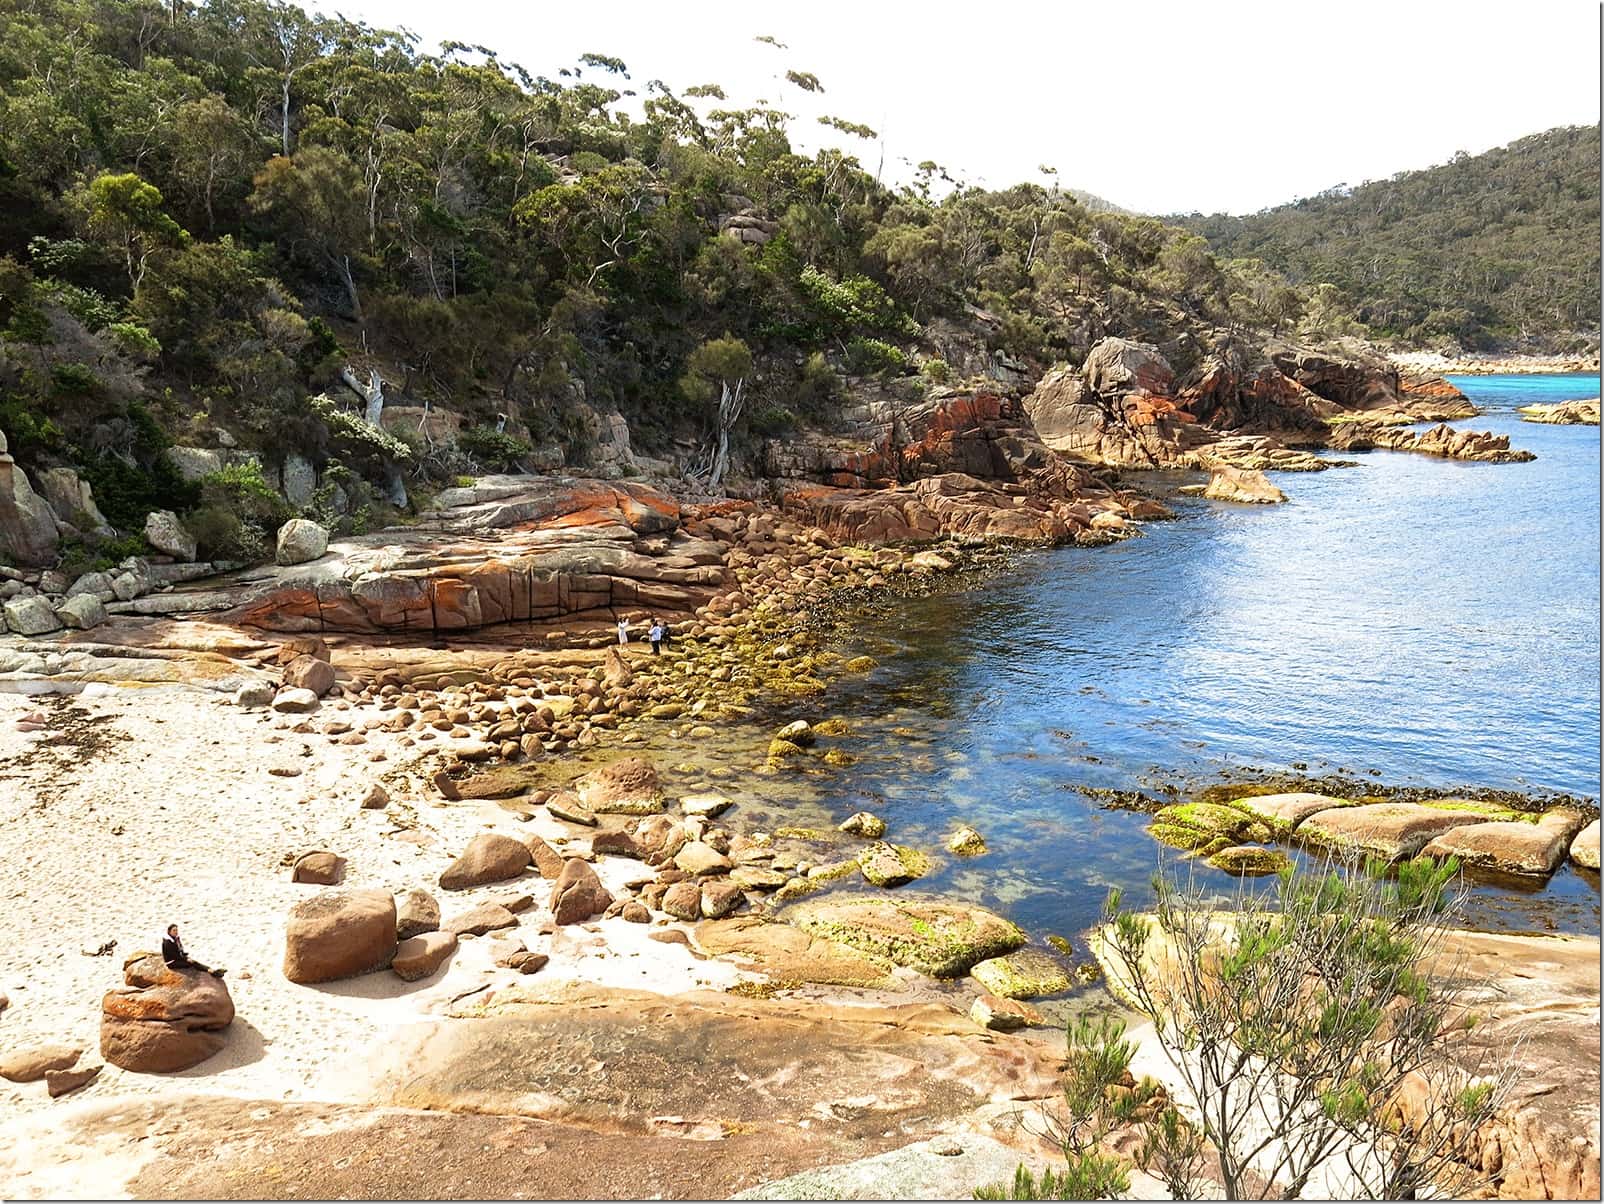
(1412, 620)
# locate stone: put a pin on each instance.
(565, 805)
(1003, 1015)
(1206, 826)
(720, 897)
(81, 612)
(164, 1020)
(890, 865)
(29, 532)
(193, 463)
(487, 917)
(1388, 830)
(318, 868)
(62, 1082)
(683, 901)
(376, 799)
(966, 842)
(864, 824)
(615, 844)
(1025, 974)
(1284, 812)
(489, 857)
(300, 479)
(31, 615)
(799, 733)
(1527, 850)
(697, 858)
(295, 701)
(97, 585)
(547, 860)
(32, 1064)
(420, 956)
(1242, 485)
(309, 673)
(578, 894)
(339, 934)
(73, 502)
(636, 912)
(167, 535)
(300, 541)
(709, 806)
(626, 787)
(933, 936)
(757, 877)
(255, 694)
(1584, 849)
(1249, 861)
(416, 912)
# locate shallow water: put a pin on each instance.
(1415, 620)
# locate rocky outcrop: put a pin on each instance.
(164, 1019)
(1441, 440)
(935, 937)
(1118, 409)
(1242, 485)
(167, 535)
(300, 540)
(1517, 847)
(28, 528)
(339, 934)
(73, 502)
(1388, 830)
(1563, 413)
(1431, 397)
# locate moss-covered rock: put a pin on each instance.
(888, 865)
(861, 664)
(834, 726)
(784, 752)
(935, 937)
(1027, 974)
(864, 823)
(799, 733)
(966, 842)
(1250, 861)
(1198, 826)
(839, 758)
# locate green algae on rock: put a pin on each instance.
(1250, 861)
(1203, 826)
(927, 934)
(966, 842)
(1026, 974)
(864, 823)
(890, 865)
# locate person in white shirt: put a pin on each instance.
(623, 630)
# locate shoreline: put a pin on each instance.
(1494, 365)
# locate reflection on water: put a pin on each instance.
(1412, 619)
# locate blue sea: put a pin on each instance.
(1408, 621)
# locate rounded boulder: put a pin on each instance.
(339, 934)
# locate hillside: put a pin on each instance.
(1498, 251)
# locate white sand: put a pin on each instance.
(183, 823)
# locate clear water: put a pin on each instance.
(1415, 620)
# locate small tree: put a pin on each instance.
(1317, 1052)
(126, 212)
(719, 367)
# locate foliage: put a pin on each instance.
(238, 515)
(1485, 251)
(1299, 1020)
(494, 450)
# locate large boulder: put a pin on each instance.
(1118, 366)
(1584, 849)
(29, 532)
(81, 612)
(163, 1019)
(934, 936)
(1391, 831)
(578, 894)
(30, 615)
(1244, 485)
(195, 463)
(626, 787)
(489, 857)
(417, 912)
(1519, 847)
(309, 673)
(166, 534)
(73, 501)
(339, 934)
(301, 540)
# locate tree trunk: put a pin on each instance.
(284, 122)
(729, 413)
(372, 393)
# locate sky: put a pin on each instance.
(1158, 107)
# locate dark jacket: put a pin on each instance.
(173, 952)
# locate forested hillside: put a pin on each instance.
(212, 215)
(1489, 252)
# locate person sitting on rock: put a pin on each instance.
(174, 955)
(623, 630)
(655, 635)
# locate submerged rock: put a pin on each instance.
(966, 842)
(941, 939)
(864, 824)
(889, 865)
(1392, 831)
(1207, 826)
(626, 787)
(1532, 850)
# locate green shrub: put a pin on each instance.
(771, 421)
(81, 555)
(126, 493)
(874, 356)
(74, 380)
(239, 514)
(494, 450)
(935, 370)
(28, 432)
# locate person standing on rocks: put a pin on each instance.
(174, 954)
(623, 630)
(655, 635)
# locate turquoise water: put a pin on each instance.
(1411, 620)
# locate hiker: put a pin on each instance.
(623, 630)
(177, 958)
(655, 635)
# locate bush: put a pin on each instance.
(493, 450)
(126, 492)
(771, 421)
(935, 370)
(239, 514)
(867, 357)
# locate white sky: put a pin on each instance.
(1161, 107)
